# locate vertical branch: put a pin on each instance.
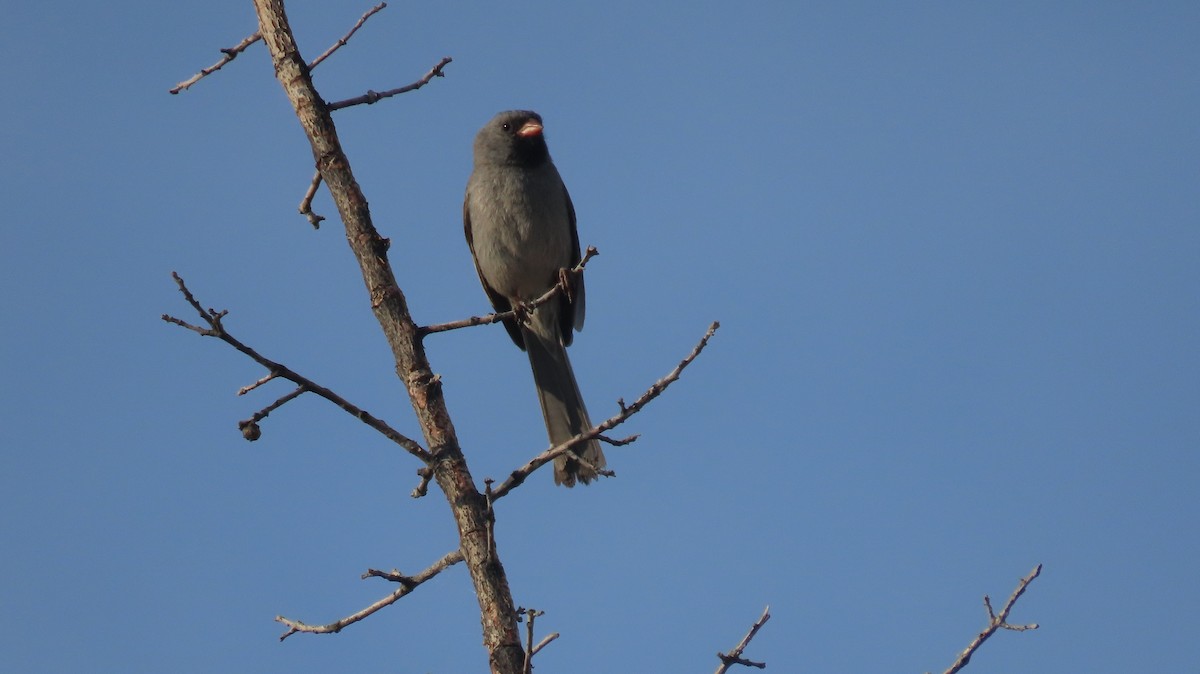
(499, 617)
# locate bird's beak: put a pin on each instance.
(530, 128)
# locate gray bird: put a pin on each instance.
(520, 226)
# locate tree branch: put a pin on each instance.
(407, 585)
(734, 657)
(519, 475)
(497, 611)
(346, 38)
(372, 97)
(249, 427)
(229, 55)
(996, 622)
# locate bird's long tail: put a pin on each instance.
(562, 405)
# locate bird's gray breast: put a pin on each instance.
(520, 228)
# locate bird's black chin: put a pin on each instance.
(530, 152)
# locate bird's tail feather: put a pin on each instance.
(562, 405)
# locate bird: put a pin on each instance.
(520, 227)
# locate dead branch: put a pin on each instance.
(407, 585)
(229, 55)
(372, 97)
(519, 475)
(346, 38)
(554, 291)
(216, 328)
(997, 621)
(734, 657)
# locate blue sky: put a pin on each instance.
(953, 248)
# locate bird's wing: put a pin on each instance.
(499, 302)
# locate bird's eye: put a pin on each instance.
(506, 127)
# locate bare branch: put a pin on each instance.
(306, 203)
(997, 621)
(734, 657)
(407, 585)
(530, 649)
(553, 292)
(250, 427)
(229, 55)
(545, 642)
(372, 97)
(519, 475)
(346, 38)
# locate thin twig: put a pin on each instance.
(997, 621)
(249, 427)
(346, 38)
(373, 96)
(734, 657)
(520, 474)
(407, 585)
(513, 313)
(250, 387)
(217, 329)
(229, 55)
(306, 203)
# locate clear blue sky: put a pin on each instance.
(953, 247)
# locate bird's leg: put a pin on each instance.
(521, 311)
(566, 280)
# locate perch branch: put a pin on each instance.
(407, 585)
(997, 621)
(734, 657)
(230, 54)
(372, 97)
(217, 329)
(513, 313)
(519, 475)
(346, 38)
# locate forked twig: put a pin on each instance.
(734, 657)
(531, 649)
(996, 622)
(407, 585)
(249, 427)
